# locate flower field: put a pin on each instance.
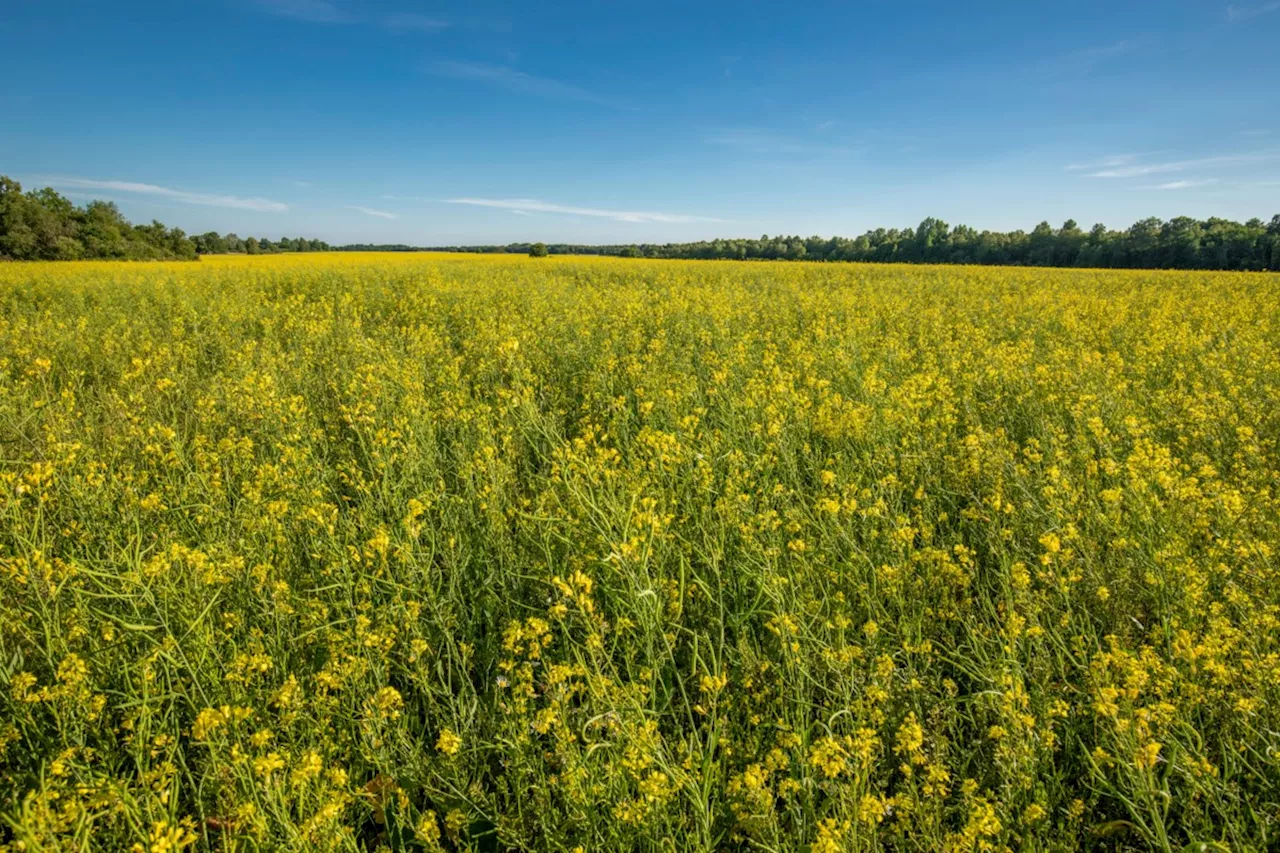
(433, 552)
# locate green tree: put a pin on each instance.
(931, 236)
(104, 231)
(1042, 245)
(17, 237)
(1070, 241)
(538, 250)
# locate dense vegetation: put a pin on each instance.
(43, 225)
(442, 552)
(214, 243)
(1181, 243)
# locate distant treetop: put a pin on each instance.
(1180, 243)
(41, 225)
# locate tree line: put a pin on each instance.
(1179, 243)
(43, 225)
(214, 243)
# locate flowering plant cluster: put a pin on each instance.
(431, 552)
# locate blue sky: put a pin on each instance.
(439, 122)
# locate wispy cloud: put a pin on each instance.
(1243, 13)
(369, 211)
(756, 141)
(306, 185)
(330, 12)
(407, 198)
(412, 22)
(207, 199)
(512, 80)
(768, 143)
(1183, 185)
(1119, 48)
(1082, 62)
(314, 11)
(88, 195)
(1137, 170)
(529, 205)
(1114, 161)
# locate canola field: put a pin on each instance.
(431, 552)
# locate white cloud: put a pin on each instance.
(1083, 62)
(414, 22)
(1106, 162)
(406, 198)
(1137, 170)
(88, 196)
(1242, 13)
(1183, 185)
(314, 11)
(208, 199)
(306, 185)
(330, 12)
(1118, 48)
(512, 80)
(529, 205)
(759, 141)
(369, 211)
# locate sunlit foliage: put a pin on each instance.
(434, 552)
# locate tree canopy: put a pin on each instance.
(42, 225)
(1180, 243)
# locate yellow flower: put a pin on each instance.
(428, 830)
(166, 837)
(1147, 757)
(910, 740)
(448, 742)
(830, 837)
(388, 702)
(73, 670)
(829, 757)
(872, 809)
(308, 768)
(268, 764)
(20, 686)
(713, 684)
(211, 719)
